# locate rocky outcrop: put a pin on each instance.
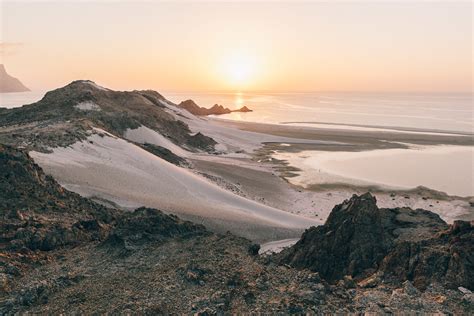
(164, 153)
(216, 109)
(243, 109)
(9, 83)
(195, 109)
(201, 141)
(447, 259)
(363, 241)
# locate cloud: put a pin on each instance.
(9, 48)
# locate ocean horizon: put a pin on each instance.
(445, 112)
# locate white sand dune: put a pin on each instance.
(114, 169)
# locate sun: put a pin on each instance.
(239, 70)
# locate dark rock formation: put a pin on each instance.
(201, 141)
(195, 109)
(9, 83)
(447, 258)
(361, 240)
(243, 109)
(216, 109)
(165, 154)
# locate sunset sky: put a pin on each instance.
(216, 46)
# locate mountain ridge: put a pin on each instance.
(82, 105)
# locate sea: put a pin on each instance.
(449, 169)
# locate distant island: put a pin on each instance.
(9, 83)
(216, 109)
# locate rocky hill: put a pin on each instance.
(216, 109)
(372, 245)
(9, 83)
(71, 113)
(61, 253)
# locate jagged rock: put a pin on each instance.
(216, 109)
(195, 109)
(243, 109)
(201, 141)
(447, 258)
(398, 244)
(9, 83)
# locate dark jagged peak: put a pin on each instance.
(216, 109)
(244, 109)
(361, 240)
(192, 107)
(9, 83)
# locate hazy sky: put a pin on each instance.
(282, 46)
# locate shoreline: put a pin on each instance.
(316, 201)
(349, 136)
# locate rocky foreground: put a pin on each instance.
(61, 253)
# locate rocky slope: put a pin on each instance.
(9, 83)
(37, 213)
(61, 253)
(372, 245)
(97, 142)
(216, 109)
(71, 113)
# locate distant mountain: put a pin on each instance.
(216, 109)
(9, 83)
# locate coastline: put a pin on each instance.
(270, 184)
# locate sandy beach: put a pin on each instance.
(271, 186)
